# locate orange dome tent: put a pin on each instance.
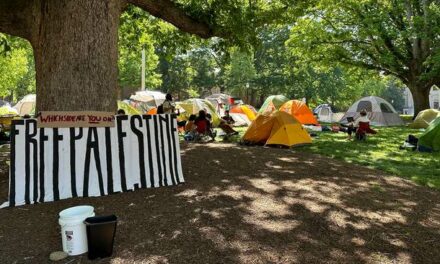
(300, 111)
(152, 111)
(247, 110)
(279, 128)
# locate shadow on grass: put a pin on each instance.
(251, 205)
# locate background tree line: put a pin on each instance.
(313, 55)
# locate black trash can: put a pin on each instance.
(100, 235)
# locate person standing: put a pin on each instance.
(168, 105)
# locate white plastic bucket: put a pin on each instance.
(73, 229)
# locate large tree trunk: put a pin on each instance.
(420, 97)
(76, 55)
(75, 46)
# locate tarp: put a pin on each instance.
(248, 110)
(424, 118)
(129, 110)
(279, 128)
(272, 103)
(431, 137)
(193, 106)
(26, 106)
(300, 111)
(379, 111)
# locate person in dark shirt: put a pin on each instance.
(168, 105)
(4, 138)
(228, 119)
(226, 124)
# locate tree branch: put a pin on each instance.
(170, 12)
(16, 17)
(383, 34)
(371, 66)
(397, 19)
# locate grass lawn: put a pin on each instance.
(380, 151)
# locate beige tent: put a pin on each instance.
(26, 106)
(380, 112)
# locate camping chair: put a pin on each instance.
(364, 129)
(204, 129)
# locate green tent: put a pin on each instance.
(194, 105)
(7, 110)
(129, 110)
(424, 118)
(272, 103)
(431, 137)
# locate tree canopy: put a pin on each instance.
(17, 73)
(390, 36)
(326, 51)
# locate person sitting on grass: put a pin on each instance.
(349, 127)
(212, 131)
(204, 125)
(227, 118)
(190, 128)
(226, 124)
(363, 126)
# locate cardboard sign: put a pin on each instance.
(76, 119)
(50, 164)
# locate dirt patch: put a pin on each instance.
(249, 205)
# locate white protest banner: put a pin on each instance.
(75, 119)
(50, 164)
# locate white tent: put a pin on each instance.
(380, 112)
(26, 105)
(147, 100)
(151, 97)
(324, 113)
(240, 119)
(218, 100)
(215, 99)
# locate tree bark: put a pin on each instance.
(420, 96)
(76, 55)
(17, 18)
(169, 11)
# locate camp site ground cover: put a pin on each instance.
(380, 151)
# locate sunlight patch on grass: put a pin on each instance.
(382, 152)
